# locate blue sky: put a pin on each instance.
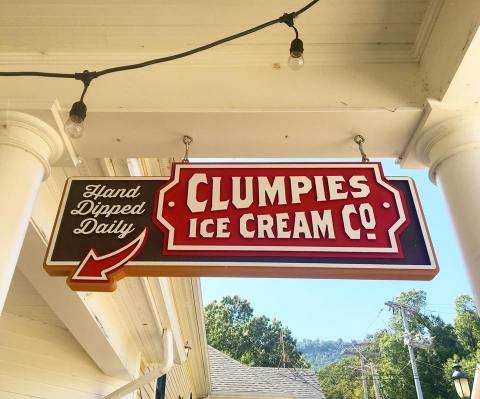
(349, 309)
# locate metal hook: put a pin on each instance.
(360, 140)
(187, 140)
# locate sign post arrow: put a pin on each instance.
(96, 270)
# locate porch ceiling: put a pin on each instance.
(374, 30)
(370, 67)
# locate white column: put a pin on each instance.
(27, 147)
(452, 151)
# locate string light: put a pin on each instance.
(75, 124)
(295, 61)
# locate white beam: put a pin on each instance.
(255, 134)
(91, 318)
(449, 42)
(163, 306)
(188, 297)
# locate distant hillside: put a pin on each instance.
(322, 353)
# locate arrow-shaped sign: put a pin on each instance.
(97, 268)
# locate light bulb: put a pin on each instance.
(76, 122)
(74, 127)
(295, 63)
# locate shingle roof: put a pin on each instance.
(231, 376)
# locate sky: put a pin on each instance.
(350, 309)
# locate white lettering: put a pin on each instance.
(203, 228)
(101, 191)
(96, 209)
(319, 187)
(323, 224)
(300, 185)
(265, 226)
(348, 210)
(356, 182)
(367, 217)
(222, 228)
(335, 187)
(272, 191)
(282, 231)
(192, 202)
(91, 225)
(217, 203)
(237, 201)
(193, 228)
(243, 226)
(301, 226)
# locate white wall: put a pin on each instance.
(38, 360)
(179, 384)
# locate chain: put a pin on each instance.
(187, 140)
(360, 140)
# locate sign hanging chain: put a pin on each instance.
(360, 140)
(187, 140)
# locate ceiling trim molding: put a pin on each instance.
(426, 28)
(318, 54)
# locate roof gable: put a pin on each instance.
(230, 376)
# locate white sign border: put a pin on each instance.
(426, 239)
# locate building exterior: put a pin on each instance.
(402, 73)
(86, 353)
(231, 378)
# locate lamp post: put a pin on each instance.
(461, 381)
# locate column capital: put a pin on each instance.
(31, 134)
(447, 139)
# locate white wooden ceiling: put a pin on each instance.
(333, 30)
(370, 66)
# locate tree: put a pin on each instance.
(255, 341)
(467, 325)
(322, 353)
(393, 363)
(340, 380)
(467, 330)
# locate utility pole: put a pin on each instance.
(284, 355)
(376, 383)
(409, 342)
(356, 350)
(364, 378)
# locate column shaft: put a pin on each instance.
(20, 177)
(459, 178)
(27, 147)
(452, 151)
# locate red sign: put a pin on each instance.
(328, 209)
(322, 220)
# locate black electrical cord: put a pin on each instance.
(86, 77)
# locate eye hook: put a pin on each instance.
(187, 140)
(360, 140)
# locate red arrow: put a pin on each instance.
(95, 268)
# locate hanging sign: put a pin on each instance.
(320, 220)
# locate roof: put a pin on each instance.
(232, 377)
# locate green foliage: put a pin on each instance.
(322, 353)
(467, 325)
(340, 381)
(255, 341)
(459, 342)
(467, 330)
